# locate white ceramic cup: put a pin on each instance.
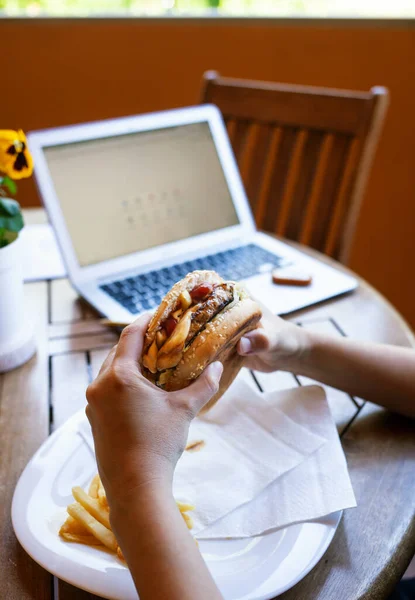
(16, 334)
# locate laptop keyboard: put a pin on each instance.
(145, 291)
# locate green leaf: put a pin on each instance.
(16, 223)
(7, 237)
(9, 207)
(12, 223)
(11, 236)
(3, 241)
(9, 184)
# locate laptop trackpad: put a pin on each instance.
(281, 299)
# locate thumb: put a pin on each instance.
(255, 342)
(205, 386)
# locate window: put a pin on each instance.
(271, 8)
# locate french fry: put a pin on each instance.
(87, 539)
(93, 487)
(188, 520)
(104, 535)
(93, 506)
(88, 518)
(72, 526)
(120, 554)
(184, 507)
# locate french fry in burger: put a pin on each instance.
(199, 321)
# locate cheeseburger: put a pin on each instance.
(199, 321)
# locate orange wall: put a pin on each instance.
(67, 71)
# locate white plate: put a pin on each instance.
(250, 569)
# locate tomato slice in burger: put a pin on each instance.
(201, 291)
(170, 325)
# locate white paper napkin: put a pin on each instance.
(248, 443)
(317, 487)
(266, 461)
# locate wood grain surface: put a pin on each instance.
(374, 542)
(24, 425)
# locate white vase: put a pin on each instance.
(17, 342)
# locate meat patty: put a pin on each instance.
(221, 296)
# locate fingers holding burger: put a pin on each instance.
(199, 321)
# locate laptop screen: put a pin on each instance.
(123, 194)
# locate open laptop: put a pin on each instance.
(138, 202)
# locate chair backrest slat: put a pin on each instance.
(304, 106)
(315, 189)
(256, 163)
(265, 184)
(339, 212)
(304, 154)
(239, 138)
(331, 183)
(302, 193)
(279, 178)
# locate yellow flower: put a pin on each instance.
(15, 159)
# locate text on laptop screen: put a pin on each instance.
(127, 193)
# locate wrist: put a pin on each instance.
(138, 479)
(309, 351)
(305, 348)
(140, 502)
(298, 344)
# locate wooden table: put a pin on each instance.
(374, 543)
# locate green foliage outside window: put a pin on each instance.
(283, 8)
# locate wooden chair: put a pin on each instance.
(304, 154)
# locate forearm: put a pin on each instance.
(163, 558)
(381, 374)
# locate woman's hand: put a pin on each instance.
(139, 430)
(275, 345)
(379, 373)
